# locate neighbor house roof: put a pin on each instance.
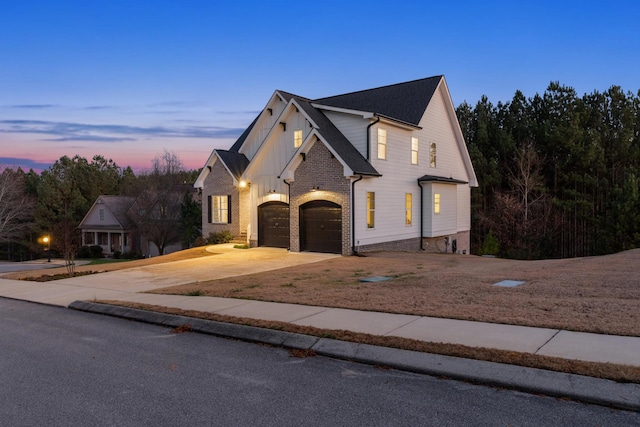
(405, 102)
(117, 205)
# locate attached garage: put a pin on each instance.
(273, 225)
(321, 227)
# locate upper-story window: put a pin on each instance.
(432, 155)
(414, 150)
(382, 144)
(297, 138)
(101, 215)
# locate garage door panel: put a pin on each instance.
(321, 227)
(273, 225)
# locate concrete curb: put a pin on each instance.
(531, 380)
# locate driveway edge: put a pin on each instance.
(531, 380)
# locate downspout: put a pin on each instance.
(353, 216)
(369, 139)
(289, 204)
(421, 215)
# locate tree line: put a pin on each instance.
(558, 173)
(54, 202)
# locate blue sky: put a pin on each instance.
(128, 79)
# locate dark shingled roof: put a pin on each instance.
(340, 144)
(236, 145)
(405, 102)
(433, 178)
(236, 162)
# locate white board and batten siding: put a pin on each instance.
(263, 126)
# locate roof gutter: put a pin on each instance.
(369, 138)
(353, 216)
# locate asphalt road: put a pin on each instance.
(60, 367)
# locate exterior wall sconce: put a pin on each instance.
(244, 184)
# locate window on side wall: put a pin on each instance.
(371, 210)
(408, 208)
(219, 209)
(382, 144)
(436, 203)
(414, 150)
(432, 155)
(297, 138)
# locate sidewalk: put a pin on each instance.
(548, 342)
(130, 285)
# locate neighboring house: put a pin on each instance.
(108, 225)
(379, 169)
(137, 225)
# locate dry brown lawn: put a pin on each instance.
(595, 294)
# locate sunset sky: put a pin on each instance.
(129, 79)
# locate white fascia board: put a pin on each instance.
(397, 123)
(364, 114)
(462, 146)
(205, 170)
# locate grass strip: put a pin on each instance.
(610, 371)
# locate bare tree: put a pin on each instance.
(156, 213)
(16, 206)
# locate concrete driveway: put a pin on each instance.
(226, 262)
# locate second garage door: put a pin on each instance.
(321, 227)
(273, 225)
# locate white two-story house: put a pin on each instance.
(379, 169)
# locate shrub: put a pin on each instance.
(117, 254)
(490, 246)
(217, 238)
(84, 252)
(96, 251)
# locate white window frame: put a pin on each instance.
(220, 209)
(382, 144)
(432, 154)
(297, 138)
(414, 150)
(408, 209)
(371, 210)
(436, 203)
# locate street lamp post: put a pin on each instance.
(47, 240)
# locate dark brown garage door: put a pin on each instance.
(321, 227)
(273, 225)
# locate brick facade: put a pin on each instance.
(430, 244)
(321, 170)
(220, 183)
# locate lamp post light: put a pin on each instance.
(47, 240)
